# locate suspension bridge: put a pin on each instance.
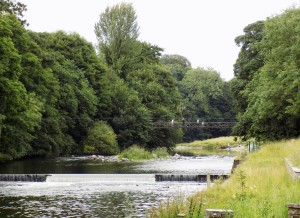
(225, 124)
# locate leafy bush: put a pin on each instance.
(4, 157)
(101, 139)
(135, 153)
(88, 149)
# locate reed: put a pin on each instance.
(259, 187)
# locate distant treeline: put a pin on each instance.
(59, 95)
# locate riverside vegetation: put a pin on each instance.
(219, 146)
(60, 95)
(259, 187)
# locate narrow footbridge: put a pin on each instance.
(198, 124)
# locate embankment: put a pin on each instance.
(260, 187)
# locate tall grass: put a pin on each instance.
(213, 144)
(136, 152)
(260, 187)
(208, 147)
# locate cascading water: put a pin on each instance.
(138, 178)
(23, 177)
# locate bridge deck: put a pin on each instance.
(200, 125)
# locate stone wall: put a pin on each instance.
(293, 171)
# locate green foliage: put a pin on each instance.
(160, 152)
(13, 7)
(241, 179)
(271, 98)
(54, 88)
(157, 90)
(117, 32)
(101, 139)
(131, 119)
(20, 111)
(254, 190)
(178, 65)
(206, 96)
(209, 146)
(135, 152)
(88, 149)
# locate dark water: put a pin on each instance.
(80, 193)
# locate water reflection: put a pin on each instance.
(86, 198)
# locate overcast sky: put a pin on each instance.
(203, 31)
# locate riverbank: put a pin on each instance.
(216, 146)
(260, 187)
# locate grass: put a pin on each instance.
(160, 152)
(138, 153)
(260, 187)
(135, 153)
(213, 144)
(207, 147)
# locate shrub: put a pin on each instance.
(101, 139)
(4, 157)
(88, 149)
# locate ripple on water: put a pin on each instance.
(104, 199)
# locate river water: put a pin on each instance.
(84, 187)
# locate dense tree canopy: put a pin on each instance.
(178, 65)
(272, 95)
(206, 98)
(13, 7)
(20, 111)
(59, 97)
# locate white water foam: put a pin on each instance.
(140, 178)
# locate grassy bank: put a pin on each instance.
(208, 147)
(260, 187)
(213, 144)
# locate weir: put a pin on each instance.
(140, 178)
(203, 178)
(23, 177)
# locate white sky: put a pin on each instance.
(203, 31)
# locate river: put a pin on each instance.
(85, 187)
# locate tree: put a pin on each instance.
(157, 89)
(20, 111)
(248, 63)
(206, 97)
(178, 64)
(272, 111)
(131, 120)
(117, 32)
(13, 7)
